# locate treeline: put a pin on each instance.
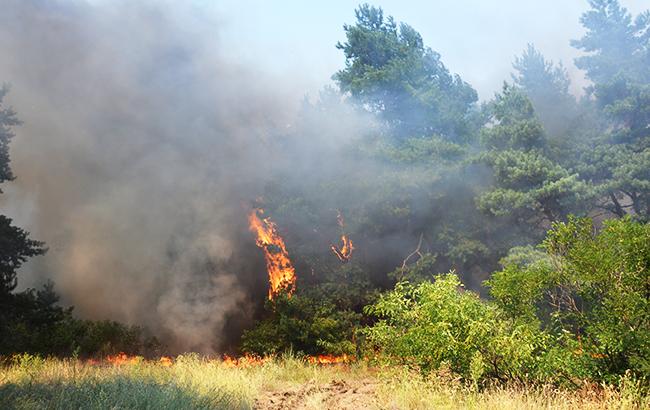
(448, 184)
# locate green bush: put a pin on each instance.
(301, 324)
(577, 309)
(33, 322)
(439, 324)
(591, 292)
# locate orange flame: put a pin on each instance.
(249, 360)
(244, 361)
(329, 359)
(227, 361)
(281, 272)
(166, 361)
(122, 358)
(344, 253)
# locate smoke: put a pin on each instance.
(142, 146)
(145, 143)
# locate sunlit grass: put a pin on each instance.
(192, 382)
(401, 389)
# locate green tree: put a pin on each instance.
(528, 186)
(15, 245)
(617, 58)
(614, 43)
(390, 72)
(547, 86)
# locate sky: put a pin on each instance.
(477, 39)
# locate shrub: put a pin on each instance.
(436, 324)
(591, 293)
(33, 322)
(301, 324)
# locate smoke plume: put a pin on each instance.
(141, 149)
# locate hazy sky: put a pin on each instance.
(477, 38)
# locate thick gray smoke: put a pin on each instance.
(141, 147)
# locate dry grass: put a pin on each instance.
(194, 382)
(400, 389)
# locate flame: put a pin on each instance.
(329, 359)
(166, 361)
(281, 272)
(244, 361)
(122, 358)
(249, 360)
(344, 253)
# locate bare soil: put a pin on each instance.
(335, 395)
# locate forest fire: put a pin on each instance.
(344, 253)
(248, 360)
(123, 358)
(166, 361)
(282, 275)
(244, 361)
(329, 359)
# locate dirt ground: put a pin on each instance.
(335, 395)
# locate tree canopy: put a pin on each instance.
(389, 71)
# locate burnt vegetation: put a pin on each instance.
(505, 241)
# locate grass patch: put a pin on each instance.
(193, 382)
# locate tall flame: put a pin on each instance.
(344, 253)
(281, 272)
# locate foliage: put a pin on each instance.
(8, 120)
(547, 86)
(614, 43)
(578, 310)
(15, 245)
(590, 292)
(391, 72)
(303, 325)
(437, 324)
(616, 60)
(15, 249)
(33, 322)
(422, 270)
(514, 123)
(529, 187)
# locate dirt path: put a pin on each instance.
(335, 395)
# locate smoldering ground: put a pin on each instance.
(141, 149)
